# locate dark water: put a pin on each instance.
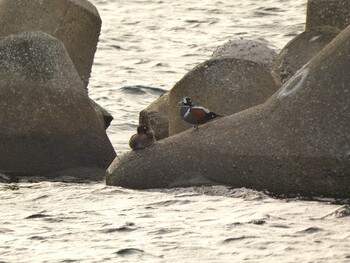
(145, 48)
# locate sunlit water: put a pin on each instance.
(145, 48)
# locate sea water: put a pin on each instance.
(145, 47)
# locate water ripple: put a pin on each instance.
(141, 90)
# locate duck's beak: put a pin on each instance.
(180, 102)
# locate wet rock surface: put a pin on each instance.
(8, 178)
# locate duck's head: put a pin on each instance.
(187, 102)
(142, 129)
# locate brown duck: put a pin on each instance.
(142, 139)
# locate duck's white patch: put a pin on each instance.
(294, 83)
(187, 113)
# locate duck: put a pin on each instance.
(142, 139)
(195, 115)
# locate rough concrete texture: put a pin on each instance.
(246, 49)
(104, 116)
(155, 116)
(75, 22)
(334, 13)
(225, 86)
(47, 121)
(298, 142)
(300, 50)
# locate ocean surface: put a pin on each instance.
(145, 47)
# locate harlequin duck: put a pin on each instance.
(195, 114)
(142, 139)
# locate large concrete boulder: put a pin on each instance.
(300, 50)
(247, 49)
(47, 121)
(155, 116)
(298, 142)
(225, 86)
(334, 13)
(75, 22)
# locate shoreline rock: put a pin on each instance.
(295, 143)
(300, 50)
(47, 121)
(156, 115)
(76, 23)
(335, 13)
(247, 49)
(224, 85)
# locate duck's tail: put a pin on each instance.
(214, 115)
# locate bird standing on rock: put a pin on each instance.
(142, 139)
(195, 114)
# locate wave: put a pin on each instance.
(140, 90)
